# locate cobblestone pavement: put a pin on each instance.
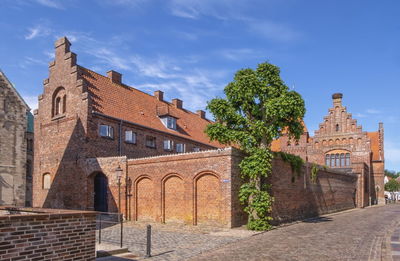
(169, 242)
(360, 234)
(394, 244)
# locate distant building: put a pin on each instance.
(16, 146)
(341, 143)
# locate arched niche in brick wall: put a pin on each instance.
(207, 199)
(174, 207)
(144, 199)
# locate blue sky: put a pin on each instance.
(190, 49)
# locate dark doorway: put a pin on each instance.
(100, 192)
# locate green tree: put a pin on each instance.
(392, 185)
(392, 173)
(257, 108)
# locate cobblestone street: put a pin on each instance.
(359, 234)
(169, 242)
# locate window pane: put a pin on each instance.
(180, 147)
(337, 160)
(110, 132)
(342, 163)
(347, 159)
(196, 149)
(332, 160)
(46, 181)
(327, 160)
(103, 130)
(128, 136)
(168, 144)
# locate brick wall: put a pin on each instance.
(203, 187)
(40, 234)
(333, 191)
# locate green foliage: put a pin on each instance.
(392, 185)
(295, 162)
(258, 106)
(392, 174)
(314, 173)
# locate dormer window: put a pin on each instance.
(169, 122)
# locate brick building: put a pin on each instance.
(91, 127)
(341, 143)
(16, 144)
(83, 114)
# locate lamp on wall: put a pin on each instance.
(119, 172)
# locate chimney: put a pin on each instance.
(201, 113)
(115, 77)
(177, 103)
(159, 95)
(337, 99)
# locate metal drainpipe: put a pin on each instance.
(120, 139)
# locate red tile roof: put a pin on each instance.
(374, 136)
(127, 103)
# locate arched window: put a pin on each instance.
(46, 182)
(59, 103)
(347, 159)
(342, 160)
(337, 127)
(338, 159)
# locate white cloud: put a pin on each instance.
(273, 31)
(51, 3)
(37, 31)
(194, 9)
(373, 111)
(238, 54)
(32, 61)
(32, 101)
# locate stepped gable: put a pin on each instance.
(113, 98)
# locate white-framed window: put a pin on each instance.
(130, 136)
(106, 131)
(168, 145)
(180, 147)
(46, 181)
(169, 122)
(196, 149)
(150, 141)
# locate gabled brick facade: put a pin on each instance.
(76, 104)
(341, 143)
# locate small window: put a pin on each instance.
(180, 147)
(332, 160)
(337, 127)
(130, 137)
(106, 131)
(168, 145)
(169, 122)
(327, 160)
(337, 164)
(46, 181)
(150, 141)
(196, 149)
